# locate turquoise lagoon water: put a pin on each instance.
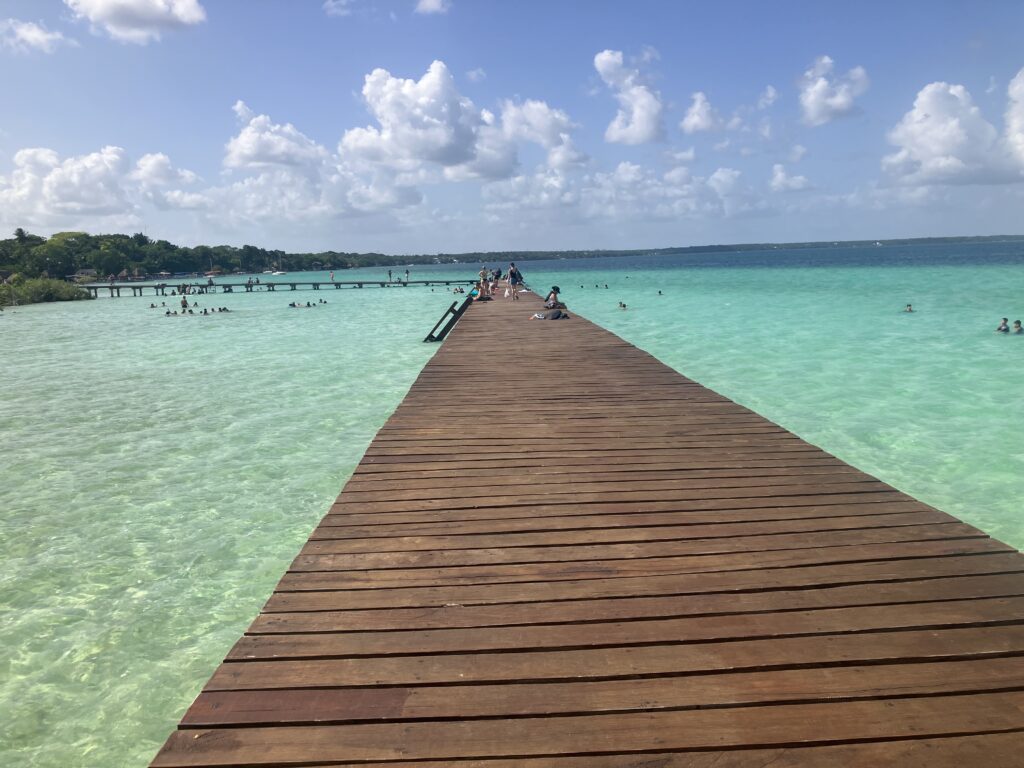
(158, 474)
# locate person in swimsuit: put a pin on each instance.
(1003, 326)
(515, 279)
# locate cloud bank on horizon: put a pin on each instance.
(430, 157)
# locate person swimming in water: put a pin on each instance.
(1003, 326)
(909, 308)
(1017, 327)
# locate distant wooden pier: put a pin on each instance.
(560, 552)
(165, 288)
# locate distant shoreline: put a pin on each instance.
(473, 256)
(82, 257)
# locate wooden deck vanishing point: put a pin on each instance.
(560, 552)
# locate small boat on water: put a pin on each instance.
(279, 273)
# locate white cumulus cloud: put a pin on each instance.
(634, 192)
(26, 36)
(84, 184)
(629, 192)
(1015, 117)
(536, 122)
(701, 116)
(767, 97)
(545, 190)
(433, 6)
(338, 7)
(683, 155)
(419, 120)
(781, 182)
(638, 119)
(825, 96)
(160, 183)
(427, 121)
(138, 21)
(945, 139)
(45, 190)
(155, 170)
(263, 143)
(93, 190)
(283, 174)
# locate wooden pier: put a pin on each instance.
(162, 288)
(560, 552)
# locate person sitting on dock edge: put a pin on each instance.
(551, 301)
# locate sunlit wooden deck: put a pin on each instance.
(559, 552)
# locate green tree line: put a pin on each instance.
(66, 253)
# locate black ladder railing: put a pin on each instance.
(452, 315)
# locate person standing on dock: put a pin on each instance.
(389, 275)
(515, 279)
(407, 276)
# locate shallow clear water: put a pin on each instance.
(158, 474)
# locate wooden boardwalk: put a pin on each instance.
(559, 552)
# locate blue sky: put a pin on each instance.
(419, 126)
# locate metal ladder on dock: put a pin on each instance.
(452, 315)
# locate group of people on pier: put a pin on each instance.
(391, 278)
(487, 285)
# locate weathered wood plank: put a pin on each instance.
(826, 621)
(819, 684)
(781, 725)
(958, 587)
(325, 591)
(623, 661)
